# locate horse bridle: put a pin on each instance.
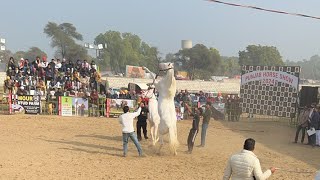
(164, 70)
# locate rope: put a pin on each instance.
(263, 9)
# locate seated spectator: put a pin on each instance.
(21, 91)
(49, 73)
(70, 65)
(41, 73)
(76, 76)
(94, 97)
(41, 86)
(58, 92)
(58, 65)
(63, 65)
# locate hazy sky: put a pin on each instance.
(165, 23)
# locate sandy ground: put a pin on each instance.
(52, 147)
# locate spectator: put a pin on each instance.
(58, 65)
(303, 123)
(58, 93)
(126, 120)
(246, 165)
(205, 123)
(195, 128)
(142, 122)
(314, 123)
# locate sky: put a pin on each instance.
(165, 23)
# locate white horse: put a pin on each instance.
(154, 117)
(168, 120)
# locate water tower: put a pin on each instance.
(186, 44)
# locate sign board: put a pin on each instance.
(66, 106)
(27, 104)
(269, 90)
(114, 106)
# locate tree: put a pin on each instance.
(229, 66)
(260, 55)
(310, 69)
(63, 37)
(125, 49)
(33, 52)
(199, 61)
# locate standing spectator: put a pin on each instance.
(314, 123)
(205, 123)
(126, 120)
(228, 107)
(303, 123)
(245, 164)
(142, 122)
(195, 128)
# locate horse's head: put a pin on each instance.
(164, 68)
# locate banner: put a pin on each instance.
(270, 77)
(114, 106)
(66, 106)
(27, 104)
(135, 72)
(80, 106)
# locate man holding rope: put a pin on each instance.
(245, 165)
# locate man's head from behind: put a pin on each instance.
(126, 109)
(249, 144)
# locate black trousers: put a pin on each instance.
(191, 138)
(299, 128)
(144, 128)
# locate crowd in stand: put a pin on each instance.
(54, 78)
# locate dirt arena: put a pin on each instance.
(52, 147)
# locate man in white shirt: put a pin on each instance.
(126, 120)
(245, 165)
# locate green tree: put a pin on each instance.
(64, 37)
(33, 52)
(229, 67)
(310, 69)
(260, 55)
(125, 49)
(199, 61)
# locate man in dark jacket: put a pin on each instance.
(195, 128)
(142, 122)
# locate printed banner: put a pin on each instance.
(66, 106)
(269, 90)
(135, 72)
(114, 109)
(270, 77)
(27, 104)
(80, 106)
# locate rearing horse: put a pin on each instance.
(167, 89)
